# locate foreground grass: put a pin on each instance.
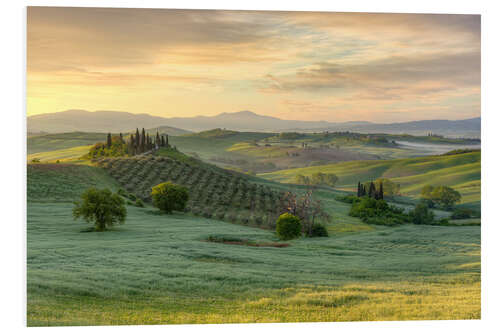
(158, 269)
(352, 302)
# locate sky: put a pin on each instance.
(292, 65)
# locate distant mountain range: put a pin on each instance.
(99, 121)
(114, 121)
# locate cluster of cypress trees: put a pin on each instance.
(371, 192)
(142, 142)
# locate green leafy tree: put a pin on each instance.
(303, 180)
(320, 178)
(446, 196)
(288, 226)
(441, 195)
(390, 188)
(421, 214)
(169, 197)
(100, 207)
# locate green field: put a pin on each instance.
(73, 154)
(462, 172)
(159, 269)
(62, 141)
(64, 182)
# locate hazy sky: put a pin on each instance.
(293, 65)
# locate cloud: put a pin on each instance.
(113, 37)
(327, 65)
(423, 74)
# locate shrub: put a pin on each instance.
(350, 199)
(373, 211)
(219, 214)
(421, 215)
(207, 212)
(122, 192)
(288, 226)
(319, 230)
(462, 213)
(101, 207)
(169, 197)
(139, 203)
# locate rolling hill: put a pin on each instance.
(462, 172)
(214, 192)
(51, 142)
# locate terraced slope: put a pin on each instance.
(214, 192)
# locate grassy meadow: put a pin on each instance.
(159, 269)
(62, 141)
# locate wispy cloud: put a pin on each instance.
(295, 64)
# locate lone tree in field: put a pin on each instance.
(444, 196)
(169, 197)
(100, 207)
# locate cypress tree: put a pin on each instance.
(108, 142)
(166, 140)
(371, 190)
(121, 138)
(359, 189)
(137, 139)
(163, 141)
(381, 191)
(131, 147)
(143, 141)
(157, 141)
(362, 190)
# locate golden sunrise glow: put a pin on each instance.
(294, 65)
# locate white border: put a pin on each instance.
(13, 167)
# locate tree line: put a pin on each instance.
(371, 191)
(138, 143)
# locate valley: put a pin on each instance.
(235, 180)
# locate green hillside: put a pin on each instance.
(63, 155)
(153, 264)
(51, 142)
(213, 192)
(167, 130)
(213, 143)
(462, 172)
(64, 182)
